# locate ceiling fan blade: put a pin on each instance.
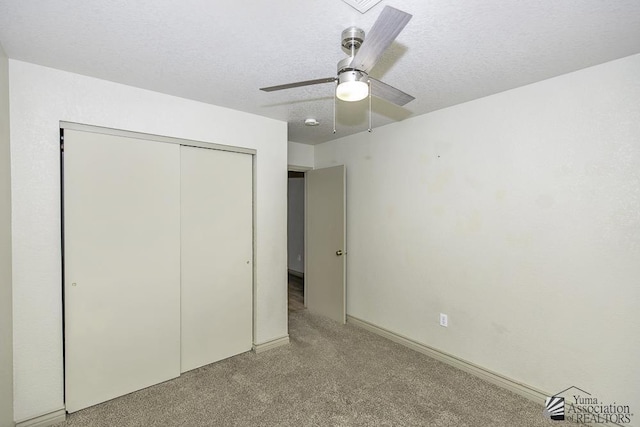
(384, 31)
(390, 93)
(298, 84)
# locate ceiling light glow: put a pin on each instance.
(353, 86)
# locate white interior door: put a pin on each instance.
(122, 265)
(217, 255)
(325, 291)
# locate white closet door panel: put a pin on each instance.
(217, 255)
(122, 266)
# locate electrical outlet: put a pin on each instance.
(444, 320)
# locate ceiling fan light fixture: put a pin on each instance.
(353, 86)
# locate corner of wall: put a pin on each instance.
(6, 283)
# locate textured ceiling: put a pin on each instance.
(222, 51)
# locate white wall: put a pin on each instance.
(40, 98)
(295, 224)
(300, 156)
(518, 215)
(6, 347)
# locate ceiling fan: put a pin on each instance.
(354, 82)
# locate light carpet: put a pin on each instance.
(330, 375)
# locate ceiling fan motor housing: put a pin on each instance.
(348, 74)
(351, 75)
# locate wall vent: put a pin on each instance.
(362, 6)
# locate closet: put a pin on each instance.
(158, 259)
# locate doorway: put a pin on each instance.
(295, 240)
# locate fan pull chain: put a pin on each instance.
(334, 106)
(369, 83)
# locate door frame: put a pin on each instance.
(304, 170)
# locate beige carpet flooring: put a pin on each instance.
(330, 375)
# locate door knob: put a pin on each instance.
(339, 252)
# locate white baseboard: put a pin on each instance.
(44, 420)
(487, 375)
(270, 345)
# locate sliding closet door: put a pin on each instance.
(217, 255)
(122, 265)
